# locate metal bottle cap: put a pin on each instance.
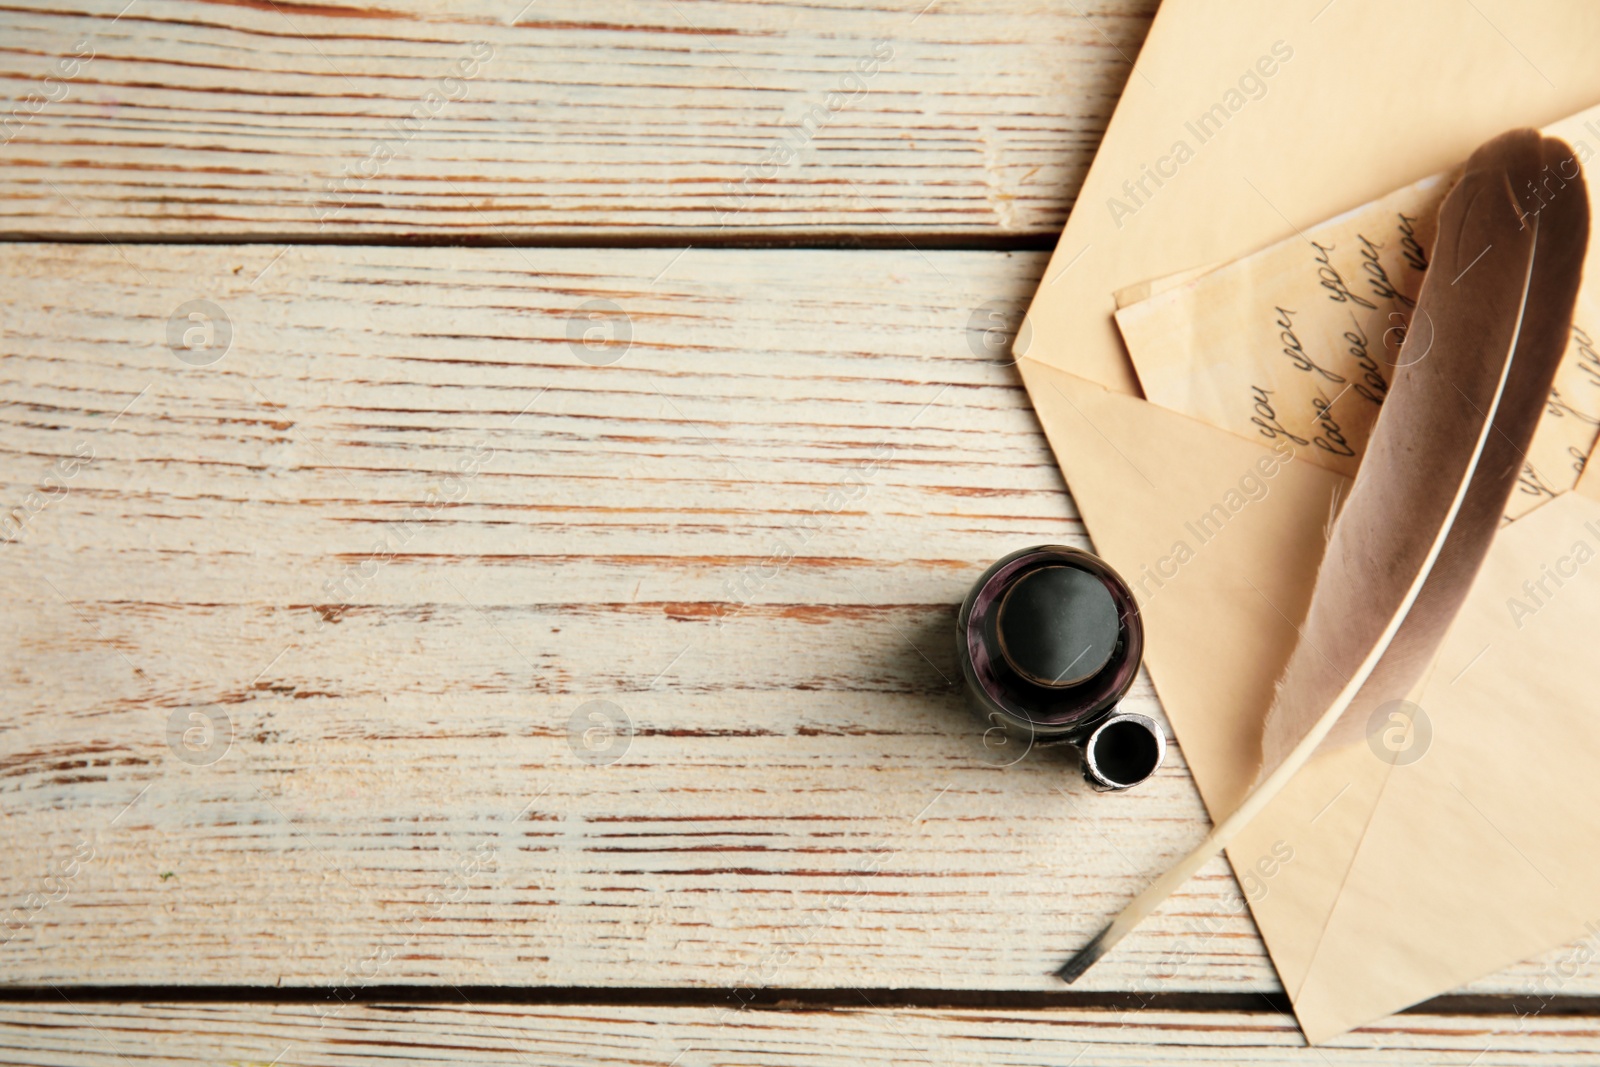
(1123, 751)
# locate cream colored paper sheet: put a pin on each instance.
(1298, 342)
(1372, 97)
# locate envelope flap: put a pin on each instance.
(1220, 538)
(1362, 98)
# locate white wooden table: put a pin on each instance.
(484, 539)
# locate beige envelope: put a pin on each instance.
(1402, 882)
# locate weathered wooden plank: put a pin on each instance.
(481, 121)
(402, 533)
(64, 1035)
(802, 784)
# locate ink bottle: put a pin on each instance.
(1049, 640)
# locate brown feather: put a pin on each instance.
(1489, 330)
(1496, 303)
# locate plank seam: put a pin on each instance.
(654, 238)
(792, 1000)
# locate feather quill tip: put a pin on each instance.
(1087, 957)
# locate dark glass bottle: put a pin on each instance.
(1049, 640)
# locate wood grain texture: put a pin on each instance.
(561, 617)
(229, 119)
(66, 1035)
(804, 797)
(748, 533)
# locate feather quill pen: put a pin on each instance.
(1486, 337)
